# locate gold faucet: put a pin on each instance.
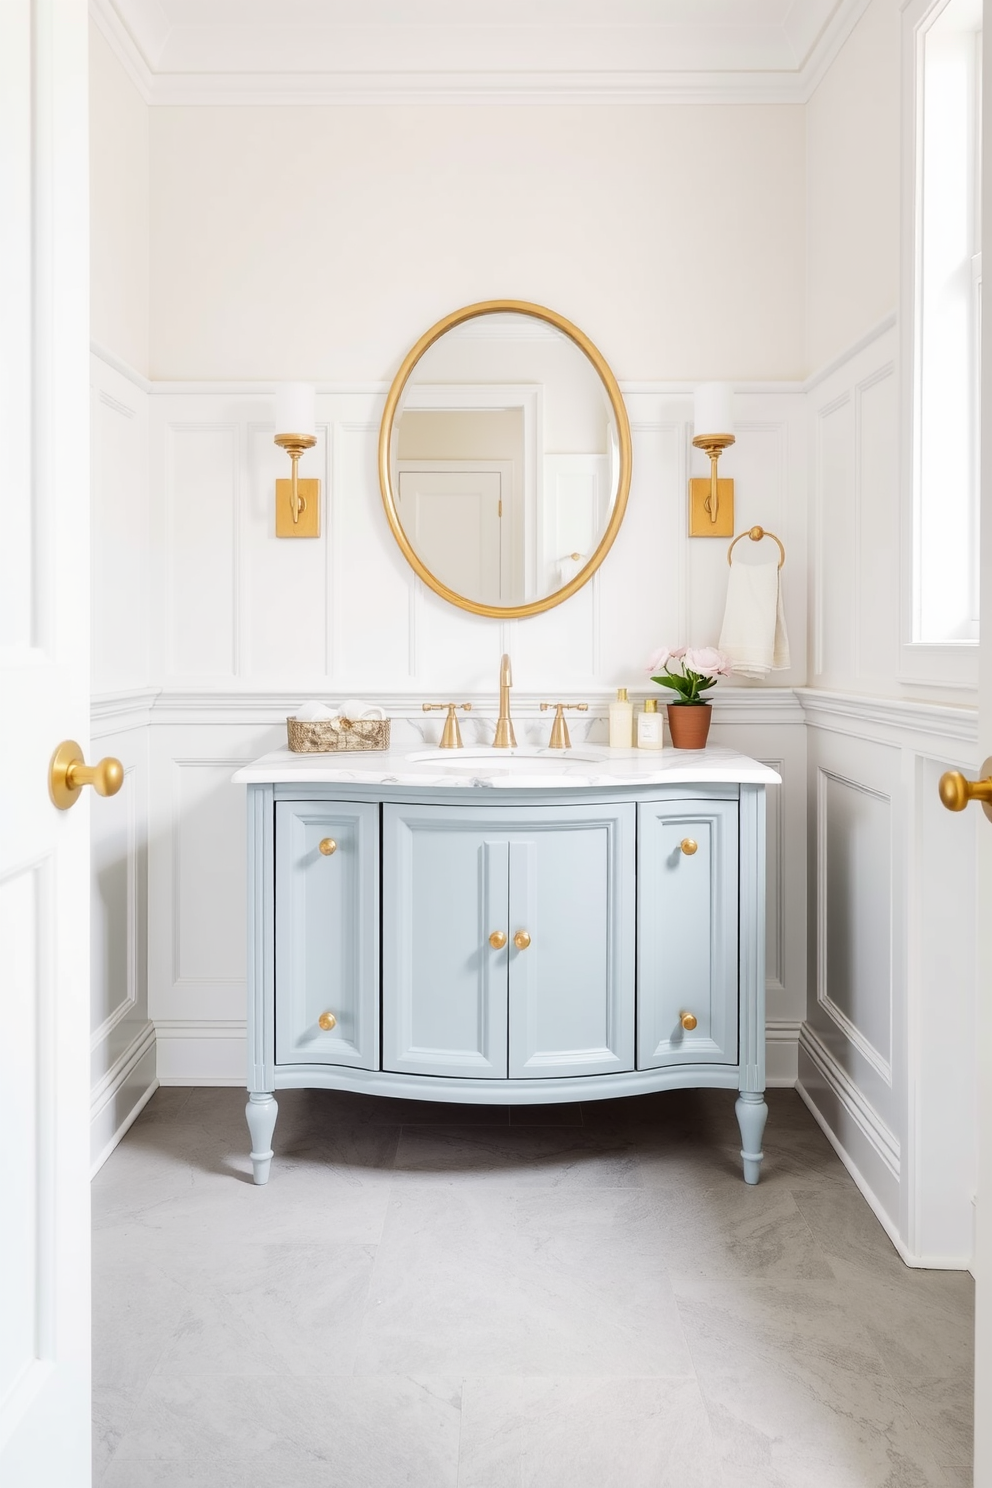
(505, 737)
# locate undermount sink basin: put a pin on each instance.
(507, 761)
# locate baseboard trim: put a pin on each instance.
(782, 1052)
(121, 1095)
(880, 1138)
(207, 1053)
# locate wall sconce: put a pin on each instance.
(297, 501)
(711, 502)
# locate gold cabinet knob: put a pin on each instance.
(328, 846)
(497, 940)
(521, 940)
(327, 1021)
(67, 774)
(688, 1021)
(955, 791)
(688, 846)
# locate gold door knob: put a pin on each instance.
(688, 1021)
(497, 940)
(688, 846)
(328, 846)
(327, 1021)
(67, 774)
(521, 940)
(955, 791)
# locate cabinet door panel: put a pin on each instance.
(687, 940)
(571, 988)
(327, 933)
(444, 985)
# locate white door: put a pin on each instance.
(454, 521)
(983, 1205)
(44, 638)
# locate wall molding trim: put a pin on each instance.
(863, 716)
(117, 712)
(874, 333)
(740, 705)
(784, 67)
(118, 364)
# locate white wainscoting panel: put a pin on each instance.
(122, 1040)
(886, 1056)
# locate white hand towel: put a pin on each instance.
(753, 634)
(568, 568)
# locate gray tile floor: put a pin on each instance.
(567, 1297)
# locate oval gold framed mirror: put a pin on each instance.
(504, 458)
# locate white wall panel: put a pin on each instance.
(372, 586)
(119, 633)
(209, 867)
(854, 906)
(876, 551)
(122, 1074)
(202, 508)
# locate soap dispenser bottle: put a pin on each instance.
(621, 721)
(650, 730)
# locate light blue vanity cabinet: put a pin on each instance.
(508, 940)
(588, 938)
(687, 930)
(327, 933)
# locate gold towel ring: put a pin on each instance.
(756, 534)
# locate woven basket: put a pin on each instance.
(330, 735)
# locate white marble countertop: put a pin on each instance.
(510, 769)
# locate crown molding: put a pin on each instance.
(137, 32)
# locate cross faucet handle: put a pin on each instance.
(451, 738)
(559, 729)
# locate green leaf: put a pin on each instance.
(675, 682)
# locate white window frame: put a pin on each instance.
(944, 663)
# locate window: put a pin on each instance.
(948, 306)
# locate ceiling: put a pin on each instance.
(367, 51)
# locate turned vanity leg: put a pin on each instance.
(261, 1112)
(752, 1113)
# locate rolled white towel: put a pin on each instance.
(315, 712)
(354, 709)
(754, 635)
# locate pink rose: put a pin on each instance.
(660, 658)
(707, 661)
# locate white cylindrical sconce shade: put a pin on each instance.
(296, 411)
(713, 408)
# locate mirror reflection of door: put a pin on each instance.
(453, 516)
(460, 475)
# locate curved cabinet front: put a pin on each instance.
(508, 940)
(607, 944)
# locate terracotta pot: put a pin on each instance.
(689, 724)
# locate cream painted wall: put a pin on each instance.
(318, 243)
(852, 188)
(119, 206)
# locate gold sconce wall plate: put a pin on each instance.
(699, 514)
(309, 523)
